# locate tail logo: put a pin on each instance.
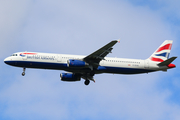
(162, 53)
(165, 54)
(24, 54)
(165, 47)
(156, 59)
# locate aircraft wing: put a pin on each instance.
(94, 58)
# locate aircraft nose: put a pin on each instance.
(6, 60)
(10, 61)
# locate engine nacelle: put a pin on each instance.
(76, 63)
(69, 77)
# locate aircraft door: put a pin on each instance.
(146, 64)
(102, 62)
(59, 59)
(24, 57)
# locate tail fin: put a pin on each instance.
(162, 53)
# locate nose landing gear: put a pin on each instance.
(86, 82)
(23, 73)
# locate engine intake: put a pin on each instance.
(76, 63)
(69, 77)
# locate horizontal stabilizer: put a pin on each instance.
(167, 62)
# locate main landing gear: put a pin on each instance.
(88, 77)
(23, 73)
(86, 82)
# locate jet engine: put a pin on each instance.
(69, 77)
(76, 63)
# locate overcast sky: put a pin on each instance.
(81, 27)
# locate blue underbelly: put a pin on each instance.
(63, 66)
(121, 70)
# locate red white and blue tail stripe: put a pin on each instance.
(162, 53)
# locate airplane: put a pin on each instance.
(78, 66)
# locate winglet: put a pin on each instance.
(118, 40)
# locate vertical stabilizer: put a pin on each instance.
(162, 53)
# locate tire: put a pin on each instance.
(86, 82)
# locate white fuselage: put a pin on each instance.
(59, 62)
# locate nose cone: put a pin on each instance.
(7, 60)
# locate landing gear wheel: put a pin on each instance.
(86, 82)
(23, 73)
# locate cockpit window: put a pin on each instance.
(14, 55)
